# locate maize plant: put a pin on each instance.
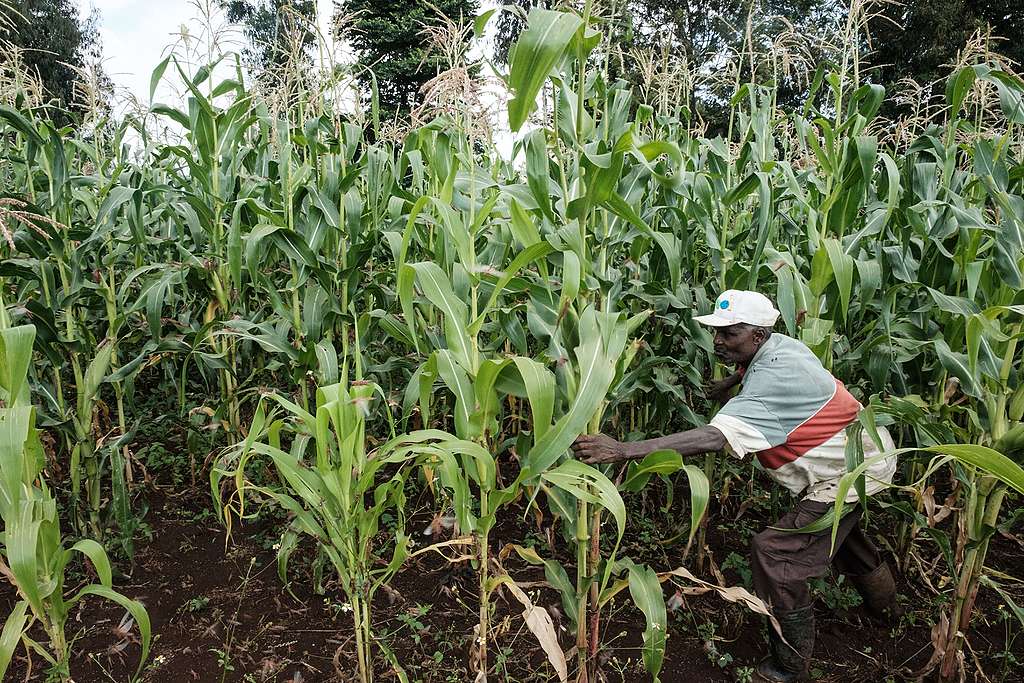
(71, 264)
(34, 557)
(335, 490)
(506, 306)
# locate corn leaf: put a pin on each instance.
(540, 46)
(645, 588)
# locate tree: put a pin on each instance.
(55, 41)
(698, 37)
(920, 38)
(276, 31)
(389, 41)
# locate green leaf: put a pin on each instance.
(539, 48)
(954, 304)
(985, 459)
(958, 365)
(16, 469)
(14, 627)
(645, 589)
(175, 115)
(522, 259)
(577, 478)
(826, 521)
(438, 290)
(458, 382)
(523, 227)
(985, 580)
(842, 269)
(135, 608)
(98, 556)
(21, 124)
(700, 494)
(114, 200)
(537, 178)
(480, 23)
(958, 86)
(16, 354)
(540, 391)
(658, 462)
(95, 373)
(603, 340)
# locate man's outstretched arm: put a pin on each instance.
(598, 449)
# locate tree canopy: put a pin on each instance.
(276, 31)
(54, 41)
(918, 38)
(389, 40)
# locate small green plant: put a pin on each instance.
(225, 655)
(835, 592)
(741, 565)
(1009, 661)
(197, 604)
(33, 555)
(223, 661)
(335, 491)
(411, 620)
(706, 632)
(743, 674)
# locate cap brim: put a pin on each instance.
(713, 320)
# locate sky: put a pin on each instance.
(135, 35)
(138, 34)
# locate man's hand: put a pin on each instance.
(719, 391)
(598, 449)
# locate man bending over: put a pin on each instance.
(792, 414)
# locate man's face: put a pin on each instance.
(737, 344)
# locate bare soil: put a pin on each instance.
(220, 613)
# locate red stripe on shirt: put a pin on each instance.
(831, 418)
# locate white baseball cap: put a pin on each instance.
(740, 306)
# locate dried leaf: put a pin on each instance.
(736, 594)
(539, 622)
(939, 643)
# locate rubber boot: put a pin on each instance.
(789, 663)
(878, 589)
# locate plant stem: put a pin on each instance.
(981, 513)
(359, 627)
(582, 547)
(483, 541)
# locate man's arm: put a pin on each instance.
(719, 391)
(598, 448)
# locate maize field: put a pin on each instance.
(289, 395)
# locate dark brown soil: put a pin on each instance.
(220, 613)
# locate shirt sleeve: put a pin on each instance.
(748, 426)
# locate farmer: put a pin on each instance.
(792, 413)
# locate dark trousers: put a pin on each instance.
(783, 561)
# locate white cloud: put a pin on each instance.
(136, 35)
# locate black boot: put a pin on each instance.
(789, 663)
(878, 589)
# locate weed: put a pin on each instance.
(743, 674)
(1009, 662)
(223, 661)
(224, 654)
(741, 565)
(411, 620)
(197, 604)
(836, 593)
(706, 632)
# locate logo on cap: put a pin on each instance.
(723, 304)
